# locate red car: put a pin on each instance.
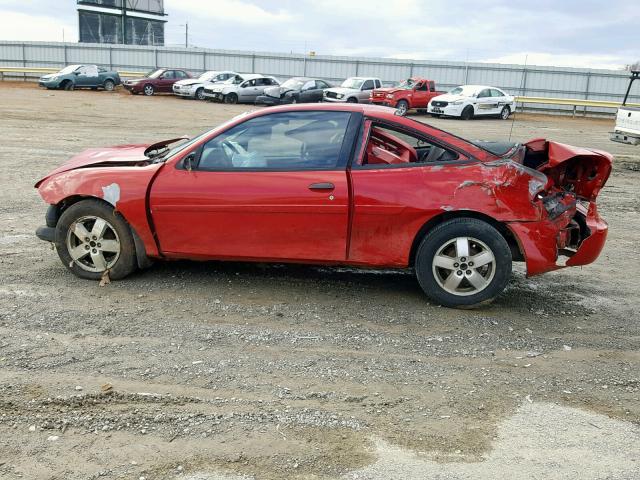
(156, 81)
(411, 93)
(332, 184)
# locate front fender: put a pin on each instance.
(125, 188)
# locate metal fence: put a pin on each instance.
(529, 81)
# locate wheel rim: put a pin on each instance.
(402, 108)
(200, 94)
(108, 86)
(148, 90)
(505, 113)
(464, 266)
(93, 244)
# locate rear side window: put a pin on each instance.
(280, 141)
(390, 147)
(496, 93)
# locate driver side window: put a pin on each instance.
(280, 141)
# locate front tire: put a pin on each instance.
(91, 239)
(200, 94)
(463, 263)
(148, 90)
(467, 113)
(67, 85)
(231, 98)
(352, 100)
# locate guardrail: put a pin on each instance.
(45, 70)
(571, 102)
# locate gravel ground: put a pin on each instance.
(217, 370)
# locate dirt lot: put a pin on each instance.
(225, 370)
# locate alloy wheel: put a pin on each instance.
(93, 244)
(464, 266)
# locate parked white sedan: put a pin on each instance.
(468, 101)
(194, 87)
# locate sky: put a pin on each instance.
(573, 33)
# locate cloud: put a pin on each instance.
(234, 11)
(28, 27)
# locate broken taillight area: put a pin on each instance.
(558, 203)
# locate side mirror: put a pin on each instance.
(189, 161)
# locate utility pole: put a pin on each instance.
(186, 35)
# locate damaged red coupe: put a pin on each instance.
(336, 185)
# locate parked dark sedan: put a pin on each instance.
(294, 90)
(157, 81)
(81, 76)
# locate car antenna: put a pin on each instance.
(524, 76)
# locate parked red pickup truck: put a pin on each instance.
(411, 93)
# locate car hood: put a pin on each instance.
(449, 98)
(277, 92)
(117, 156)
(48, 76)
(140, 79)
(343, 90)
(189, 81)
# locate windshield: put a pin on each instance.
(464, 90)
(407, 84)
(293, 84)
(69, 69)
(354, 83)
(183, 146)
(154, 73)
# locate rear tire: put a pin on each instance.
(109, 85)
(467, 113)
(463, 263)
(111, 250)
(504, 114)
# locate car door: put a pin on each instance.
(309, 92)
(421, 94)
(396, 189)
(166, 81)
(271, 187)
(485, 104)
(365, 91)
(500, 100)
(248, 91)
(87, 76)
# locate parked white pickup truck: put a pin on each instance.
(627, 128)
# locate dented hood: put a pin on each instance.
(580, 170)
(110, 156)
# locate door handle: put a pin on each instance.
(322, 186)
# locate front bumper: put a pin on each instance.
(48, 232)
(449, 110)
(542, 241)
(213, 96)
(49, 83)
(182, 92)
(132, 87)
(383, 102)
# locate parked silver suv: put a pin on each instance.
(352, 90)
(243, 88)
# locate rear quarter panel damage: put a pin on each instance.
(123, 187)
